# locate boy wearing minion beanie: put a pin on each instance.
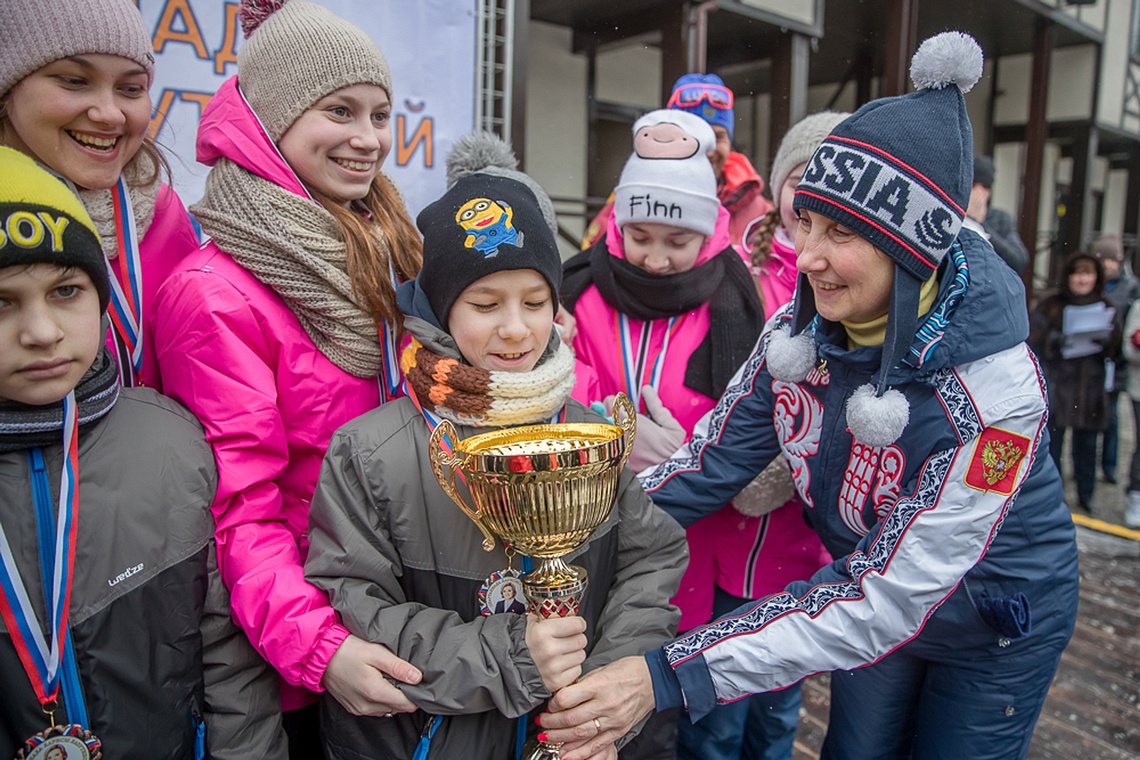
(403, 566)
(134, 480)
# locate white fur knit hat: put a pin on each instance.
(669, 179)
(296, 53)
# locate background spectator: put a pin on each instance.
(1122, 290)
(993, 224)
(1078, 400)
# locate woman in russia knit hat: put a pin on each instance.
(285, 326)
(900, 389)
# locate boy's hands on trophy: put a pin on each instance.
(658, 432)
(592, 714)
(558, 647)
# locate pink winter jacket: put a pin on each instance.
(168, 240)
(762, 554)
(234, 354)
(777, 277)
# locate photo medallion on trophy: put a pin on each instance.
(542, 490)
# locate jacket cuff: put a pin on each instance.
(697, 685)
(666, 688)
(313, 669)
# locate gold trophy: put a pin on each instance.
(541, 489)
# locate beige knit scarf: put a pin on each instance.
(468, 395)
(294, 246)
(143, 198)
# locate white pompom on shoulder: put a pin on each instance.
(790, 359)
(877, 421)
(947, 58)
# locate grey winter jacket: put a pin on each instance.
(403, 566)
(150, 618)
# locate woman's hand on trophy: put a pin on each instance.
(558, 647)
(356, 677)
(595, 712)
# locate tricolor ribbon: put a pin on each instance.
(634, 361)
(126, 287)
(41, 658)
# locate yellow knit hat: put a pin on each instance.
(42, 222)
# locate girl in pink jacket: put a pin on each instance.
(284, 327)
(75, 97)
(667, 311)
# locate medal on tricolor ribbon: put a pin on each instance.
(67, 742)
(42, 658)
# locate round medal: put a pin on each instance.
(502, 592)
(65, 742)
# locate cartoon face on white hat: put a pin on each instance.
(668, 178)
(664, 140)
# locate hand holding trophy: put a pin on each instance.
(542, 490)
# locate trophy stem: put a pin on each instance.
(553, 589)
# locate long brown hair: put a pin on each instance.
(385, 215)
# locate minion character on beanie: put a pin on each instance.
(42, 222)
(488, 225)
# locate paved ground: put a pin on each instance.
(1093, 707)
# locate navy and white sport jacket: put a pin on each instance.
(959, 521)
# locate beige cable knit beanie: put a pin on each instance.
(798, 146)
(295, 54)
(36, 32)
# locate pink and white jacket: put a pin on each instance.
(746, 556)
(232, 352)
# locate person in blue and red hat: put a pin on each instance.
(901, 391)
(739, 187)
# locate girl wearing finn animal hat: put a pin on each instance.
(406, 568)
(667, 312)
(913, 417)
(284, 327)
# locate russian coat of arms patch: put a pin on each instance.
(997, 456)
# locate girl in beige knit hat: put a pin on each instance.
(74, 80)
(284, 327)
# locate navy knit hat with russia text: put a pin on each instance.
(898, 173)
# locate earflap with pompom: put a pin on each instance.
(252, 13)
(791, 351)
(876, 414)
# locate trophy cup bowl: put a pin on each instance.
(542, 490)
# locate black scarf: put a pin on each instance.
(24, 426)
(736, 316)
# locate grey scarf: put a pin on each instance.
(294, 246)
(23, 426)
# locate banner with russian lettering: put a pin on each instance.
(429, 44)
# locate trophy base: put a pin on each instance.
(560, 598)
(536, 750)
